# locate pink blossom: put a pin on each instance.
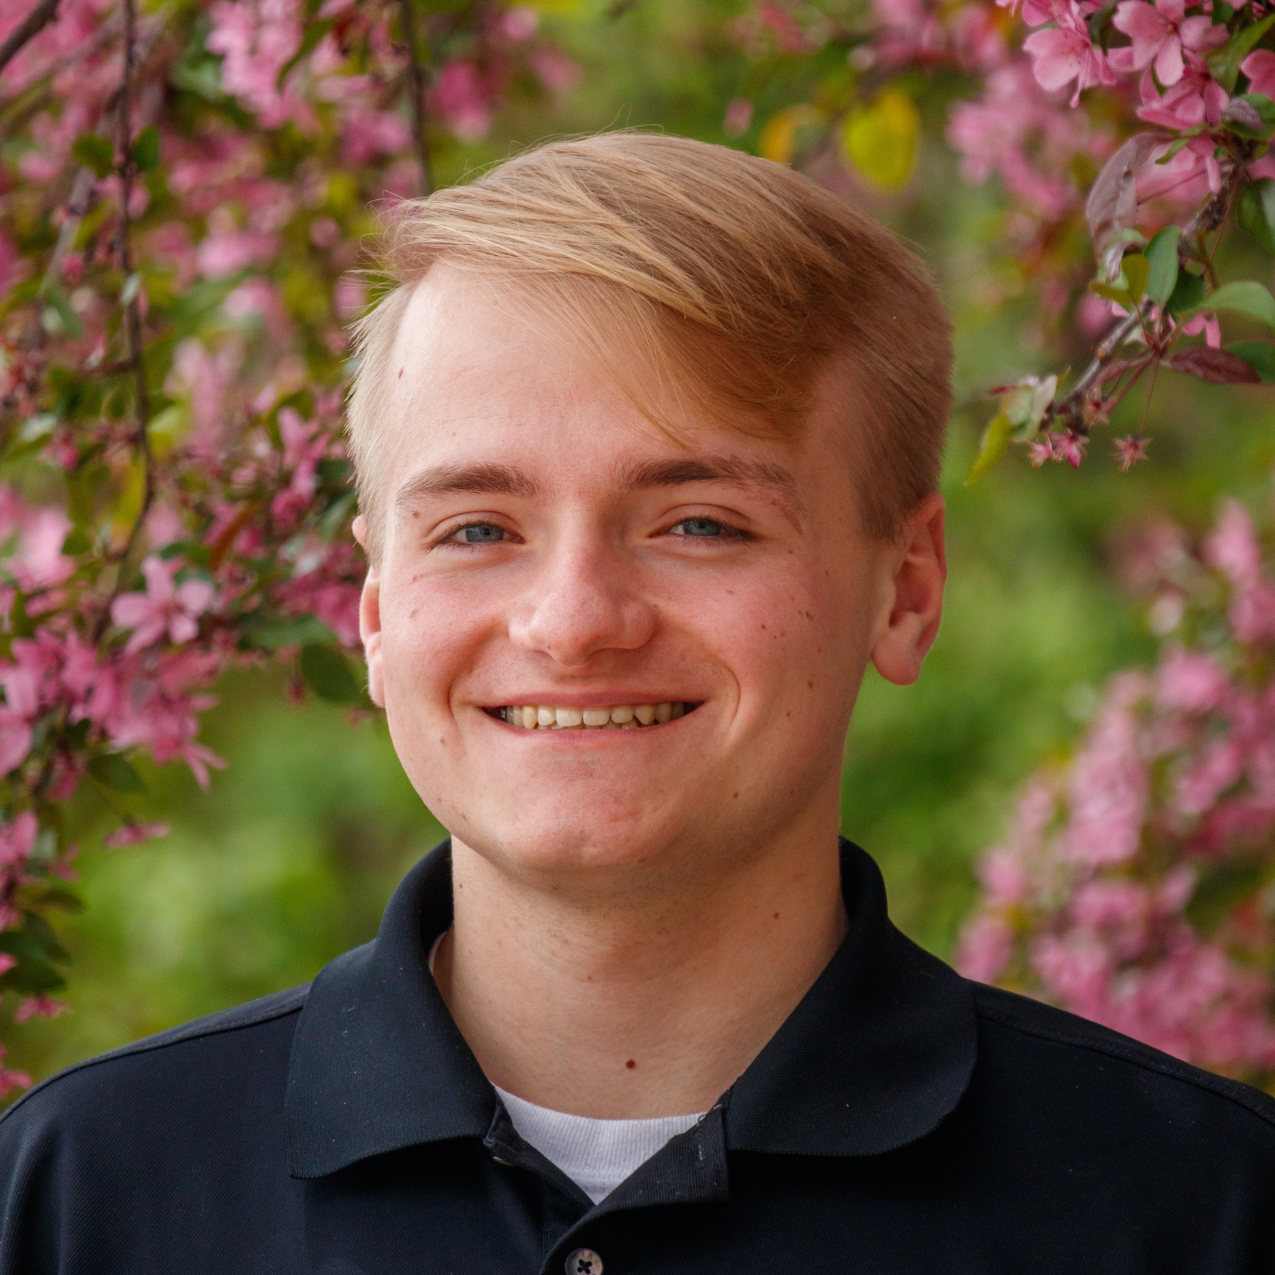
(17, 839)
(164, 609)
(519, 23)
(1065, 53)
(38, 1007)
(258, 38)
(1259, 66)
(985, 948)
(1108, 786)
(1131, 450)
(13, 1079)
(227, 249)
(133, 834)
(368, 134)
(1233, 546)
(1160, 32)
(1208, 324)
(1070, 447)
(558, 73)
(15, 739)
(1191, 682)
(464, 100)
(738, 117)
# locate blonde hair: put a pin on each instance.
(734, 281)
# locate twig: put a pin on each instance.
(417, 77)
(26, 30)
(132, 307)
(1211, 214)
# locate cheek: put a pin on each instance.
(428, 639)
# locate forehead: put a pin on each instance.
(477, 378)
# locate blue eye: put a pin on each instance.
(479, 533)
(699, 527)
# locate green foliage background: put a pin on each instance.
(290, 857)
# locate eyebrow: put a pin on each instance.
(506, 480)
(735, 471)
(487, 479)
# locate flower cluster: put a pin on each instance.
(1136, 885)
(1140, 127)
(183, 190)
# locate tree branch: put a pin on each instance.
(132, 307)
(1069, 411)
(26, 30)
(417, 82)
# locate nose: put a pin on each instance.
(585, 601)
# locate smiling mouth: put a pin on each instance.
(618, 717)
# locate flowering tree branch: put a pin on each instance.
(178, 235)
(40, 16)
(416, 80)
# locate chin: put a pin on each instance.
(553, 845)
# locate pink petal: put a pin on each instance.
(195, 596)
(1201, 33)
(15, 741)
(1168, 62)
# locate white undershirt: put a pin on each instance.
(597, 1155)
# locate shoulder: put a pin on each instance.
(205, 1055)
(1036, 1047)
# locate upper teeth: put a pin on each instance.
(622, 716)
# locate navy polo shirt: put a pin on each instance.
(903, 1121)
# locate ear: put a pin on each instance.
(370, 621)
(914, 595)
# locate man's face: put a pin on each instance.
(546, 547)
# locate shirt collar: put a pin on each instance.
(875, 1055)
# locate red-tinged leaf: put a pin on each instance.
(1112, 206)
(1219, 366)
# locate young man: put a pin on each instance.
(647, 441)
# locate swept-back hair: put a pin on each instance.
(733, 282)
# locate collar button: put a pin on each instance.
(584, 1261)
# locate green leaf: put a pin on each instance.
(42, 932)
(1224, 63)
(1250, 115)
(1186, 293)
(94, 151)
(1162, 255)
(58, 317)
(1244, 296)
(881, 140)
(992, 450)
(19, 621)
(112, 771)
(62, 899)
(1256, 212)
(329, 676)
(314, 32)
(32, 977)
(1178, 143)
(1112, 292)
(76, 542)
(146, 149)
(301, 630)
(1259, 355)
(1137, 270)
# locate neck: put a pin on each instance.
(629, 1008)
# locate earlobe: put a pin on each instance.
(914, 596)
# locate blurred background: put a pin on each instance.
(290, 856)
